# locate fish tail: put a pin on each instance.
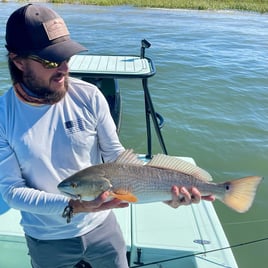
(240, 193)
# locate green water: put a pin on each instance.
(211, 87)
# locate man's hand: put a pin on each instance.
(100, 203)
(182, 197)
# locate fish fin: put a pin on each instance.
(129, 157)
(240, 193)
(124, 195)
(178, 164)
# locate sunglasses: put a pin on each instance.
(46, 63)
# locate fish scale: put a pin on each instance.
(151, 184)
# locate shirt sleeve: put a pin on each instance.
(109, 142)
(15, 192)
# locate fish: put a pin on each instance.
(130, 179)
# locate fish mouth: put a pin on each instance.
(74, 196)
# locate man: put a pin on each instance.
(52, 126)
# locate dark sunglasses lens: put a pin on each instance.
(50, 64)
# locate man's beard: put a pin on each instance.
(44, 93)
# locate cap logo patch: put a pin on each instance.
(55, 28)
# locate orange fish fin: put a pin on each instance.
(125, 196)
(240, 193)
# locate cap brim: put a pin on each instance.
(61, 51)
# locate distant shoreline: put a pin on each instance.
(258, 6)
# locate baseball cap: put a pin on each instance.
(38, 30)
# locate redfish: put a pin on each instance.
(129, 179)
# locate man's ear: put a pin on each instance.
(17, 60)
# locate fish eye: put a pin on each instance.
(74, 185)
(227, 187)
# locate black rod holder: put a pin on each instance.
(144, 44)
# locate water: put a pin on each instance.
(211, 87)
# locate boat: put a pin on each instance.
(155, 234)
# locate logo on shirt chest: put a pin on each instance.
(74, 126)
